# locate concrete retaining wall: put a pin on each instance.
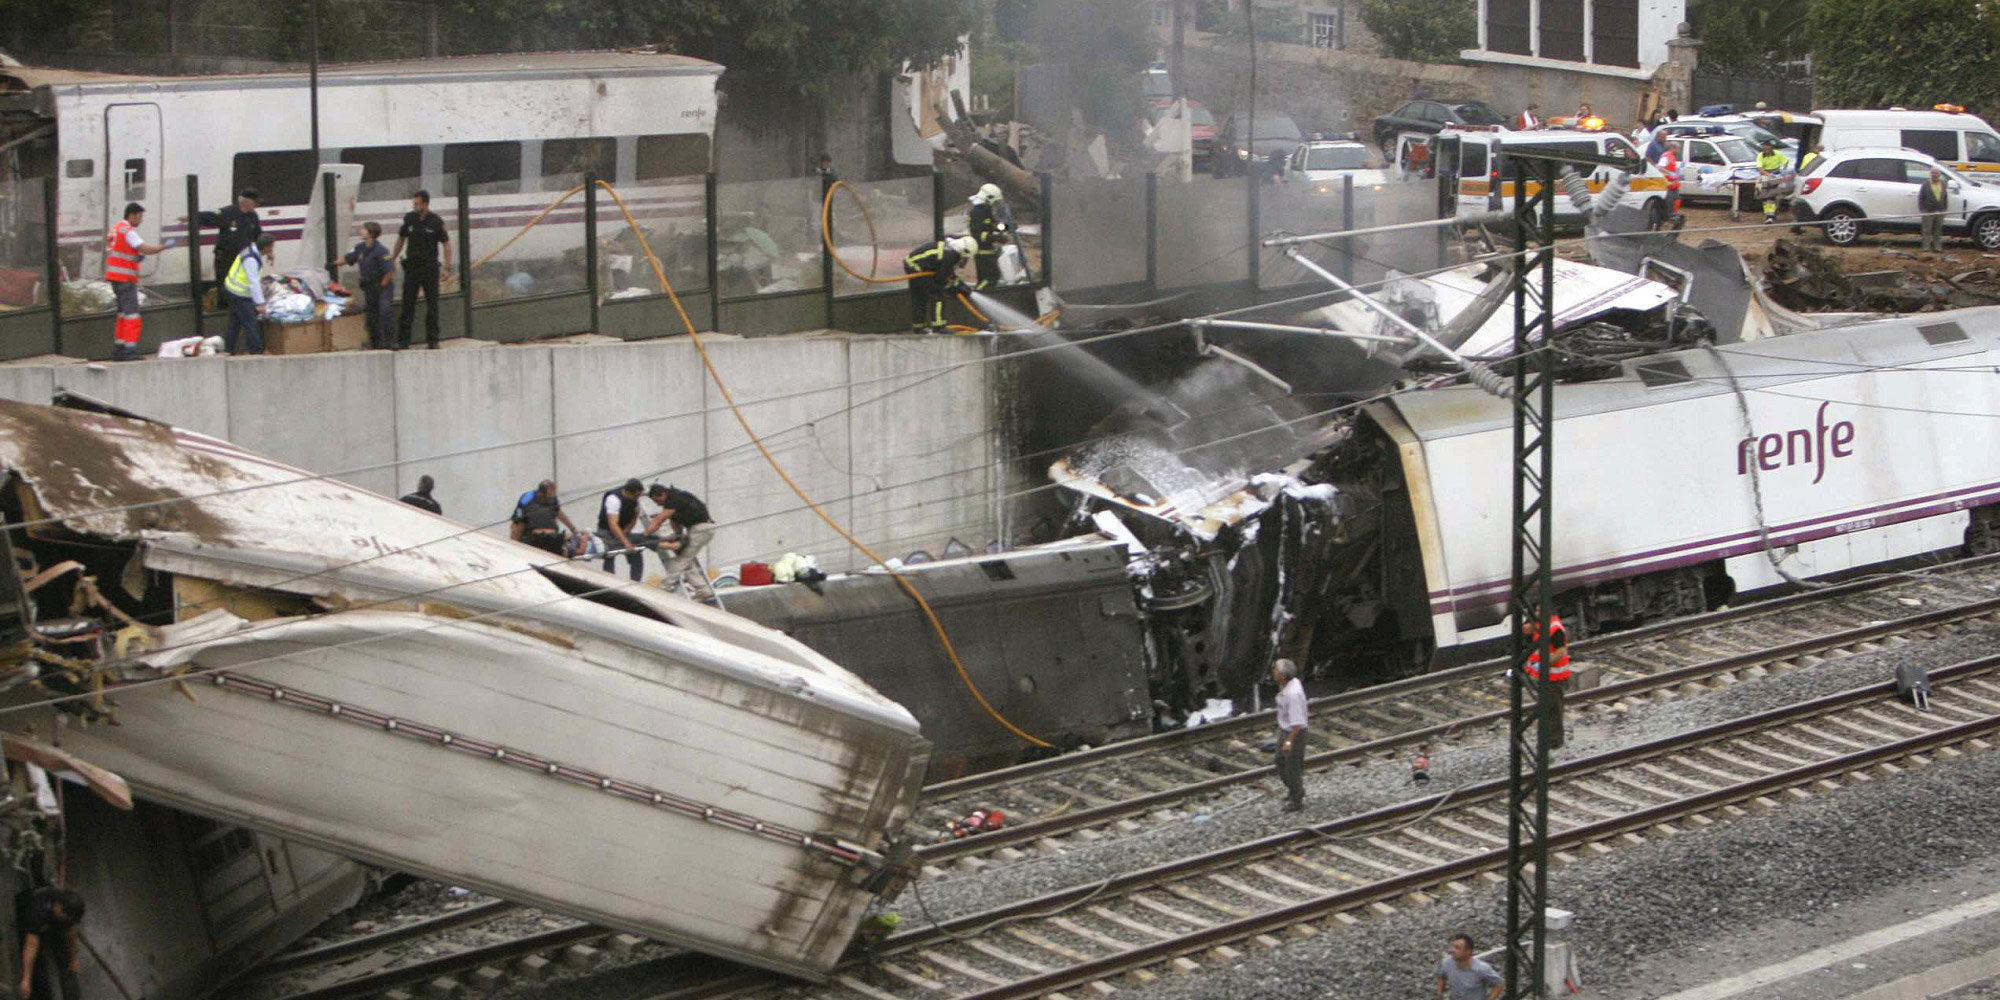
(880, 429)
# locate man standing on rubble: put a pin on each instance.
(1291, 754)
(49, 937)
(1932, 199)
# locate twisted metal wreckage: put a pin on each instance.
(1268, 516)
(255, 644)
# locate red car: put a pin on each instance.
(1201, 128)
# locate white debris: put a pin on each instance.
(1216, 710)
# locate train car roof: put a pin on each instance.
(199, 506)
(1903, 341)
(520, 65)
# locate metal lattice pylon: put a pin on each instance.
(1532, 728)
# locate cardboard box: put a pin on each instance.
(347, 333)
(309, 337)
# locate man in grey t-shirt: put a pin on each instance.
(1462, 977)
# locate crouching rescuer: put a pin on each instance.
(123, 249)
(933, 268)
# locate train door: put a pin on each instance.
(132, 168)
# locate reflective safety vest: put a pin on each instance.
(121, 262)
(1671, 166)
(1558, 647)
(238, 281)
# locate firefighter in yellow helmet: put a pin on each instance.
(991, 226)
(934, 271)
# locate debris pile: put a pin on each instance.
(1806, 279)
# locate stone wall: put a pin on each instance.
(884, 431)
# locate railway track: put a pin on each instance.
(1049, 803)
(1055, 801)
(355, 967)
(1342, 872)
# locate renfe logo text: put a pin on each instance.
(1805, 446)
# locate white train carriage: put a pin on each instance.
(1701, 475)
(358, 675)
(520, 129)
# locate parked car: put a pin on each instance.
(1430, 118)
(1851, 192)
(1238, 145)
(1322, 164)
(1201, 129)
(1737, 125)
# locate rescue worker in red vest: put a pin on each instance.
(1670, 165)
(1529, 120)
(1559, 672)
(122, 249)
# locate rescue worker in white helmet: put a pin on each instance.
(991, 226)
(934, 267)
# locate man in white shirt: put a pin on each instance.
(1291, 755)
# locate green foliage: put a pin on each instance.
(1748, 34)
(1423, 30)
(1915, 53)
(794, 45)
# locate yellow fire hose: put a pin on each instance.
(930, 615)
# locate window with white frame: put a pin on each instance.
(1324, 31)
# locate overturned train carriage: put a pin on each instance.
(326, 665)
(1683, 480)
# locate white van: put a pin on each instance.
(1468, 167)
(1948, 135)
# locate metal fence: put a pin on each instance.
(752, 258)
(1719, 86)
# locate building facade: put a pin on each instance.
(1617, 38)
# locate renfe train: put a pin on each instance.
(1688, 479)
(521, 129)
(1682, 480)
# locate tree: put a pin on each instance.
(1748, 34)
(1423, 30)
(1875, 53)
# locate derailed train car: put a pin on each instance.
(326, 665)
(1684, 480)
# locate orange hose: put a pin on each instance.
(930, 615)
(523, 231)
(826, 237)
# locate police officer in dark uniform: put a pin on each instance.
(617, 515)
(938, 263)
(991, 226)
(236, 226)
(425, 234)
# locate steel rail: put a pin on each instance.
(325, 954)
(945, 851)
(1257, 721)
(1389, 815)
(1285, 916)
(498, 953)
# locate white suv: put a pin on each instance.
(1855, 191)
